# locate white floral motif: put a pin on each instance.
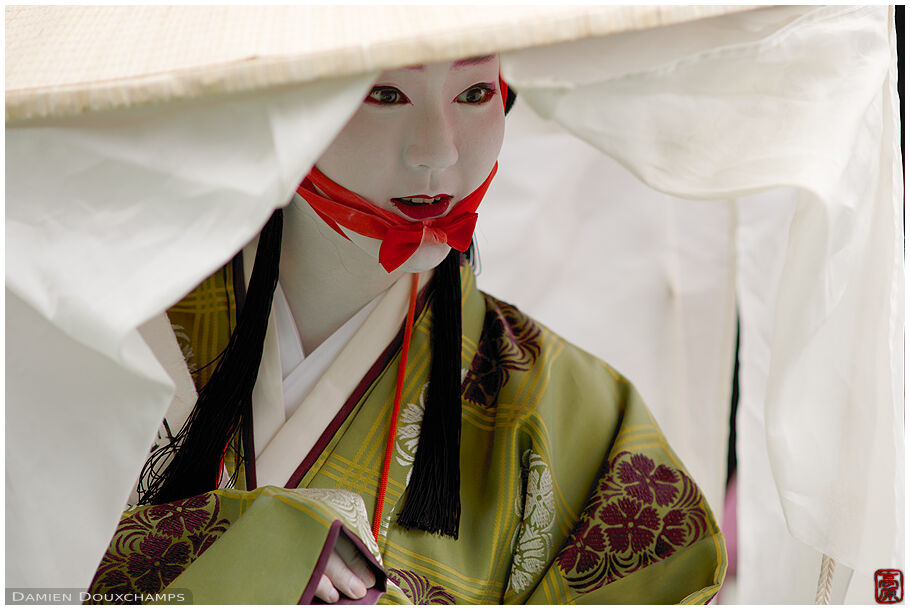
(519, 504)
(185, 344)
(350, 507)
(530, 558)
(410, 421)
(540, 506)
(532, 541)
(407, 436)
(386, 522)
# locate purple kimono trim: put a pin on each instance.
(346, 409)
(381, 363)
(373, 593)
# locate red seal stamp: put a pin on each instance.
(889, 586)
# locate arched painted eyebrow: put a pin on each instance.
(461, 63)
(472, 61)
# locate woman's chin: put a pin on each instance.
(426, 257)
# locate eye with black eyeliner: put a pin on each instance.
(386, 95)
(481, 93)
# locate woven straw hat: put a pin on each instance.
(71, 60)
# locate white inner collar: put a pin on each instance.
(300, 371)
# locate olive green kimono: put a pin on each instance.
(569, 491)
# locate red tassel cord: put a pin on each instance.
(393, 425)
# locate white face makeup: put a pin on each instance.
(424, 138)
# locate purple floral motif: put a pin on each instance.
(201, 541)
(510, 341)
(583, 549)
(175, 518)
(113, 582)
(630, 524)
(644, 477)
(484, 380)
(153, 546)
(672, 535)
(161, 561)
(419, 589)
(640, 513)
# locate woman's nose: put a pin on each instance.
(432, 143)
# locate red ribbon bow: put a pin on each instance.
(400, 237)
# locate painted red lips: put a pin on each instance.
(421, 207)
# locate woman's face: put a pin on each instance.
(424, 138)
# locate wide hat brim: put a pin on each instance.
(71, 60)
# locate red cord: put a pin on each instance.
(384, 479)
(221, 464)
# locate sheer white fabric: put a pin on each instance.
(796, 97)
(111, 219)
(642, 279)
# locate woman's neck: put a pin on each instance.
(326, 278)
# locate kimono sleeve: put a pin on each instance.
(643, 534)
(269, 545)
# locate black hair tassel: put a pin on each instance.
(224, 404)
(433, 498)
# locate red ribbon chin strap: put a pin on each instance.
(400, 237)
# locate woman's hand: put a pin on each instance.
(346, 573)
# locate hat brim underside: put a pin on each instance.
(71, 60)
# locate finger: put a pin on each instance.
(359, 566)
(325, 591)
(355, 561)
(343, 578)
